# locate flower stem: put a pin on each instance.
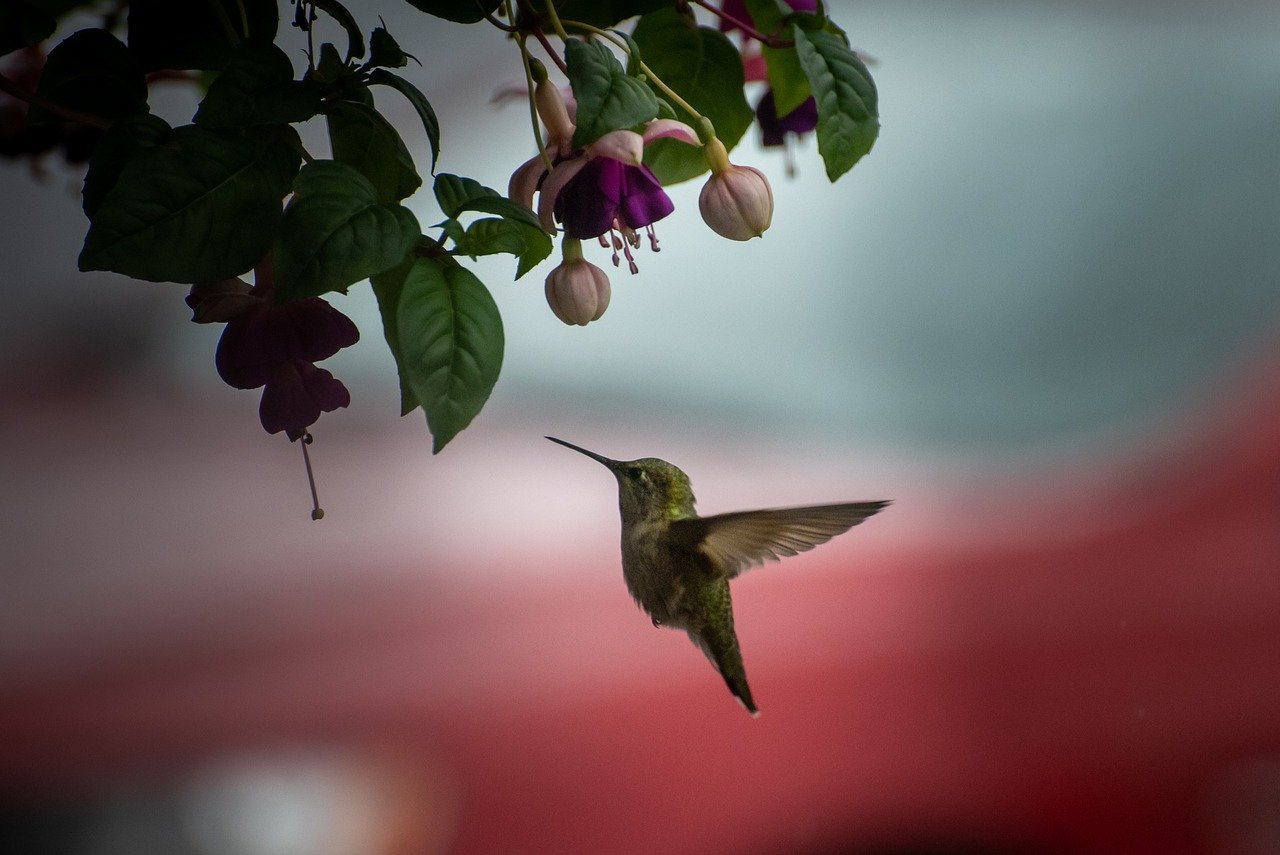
(571, 249)
(555, 19)
(317, 512)
(533, 108)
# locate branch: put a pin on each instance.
(11, 88)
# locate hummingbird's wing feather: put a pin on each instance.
(736, 541)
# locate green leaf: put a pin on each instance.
(522, 236)
(461, 11)
(117, 146)
(330, 68)
(848, 120)
(420, 104)
(335, 232)
(387, 287)
(385, 51)
(767, 15)
(93, 72)
(257, 88)
(787, 79)
(455, 191)
(166, 34)
(339, 13)
(362, 138)
(705, 68)
(457, 194)
(608, 100)
(447, 339)
(490, 236)
(203, 205)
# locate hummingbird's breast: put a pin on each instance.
(651, 572)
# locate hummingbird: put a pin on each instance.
(678, 565)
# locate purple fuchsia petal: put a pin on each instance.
(249, 350)
(587, 205)
(774, 129)
(555, 182)
(643, 202)
(318, 329)
(296, 394)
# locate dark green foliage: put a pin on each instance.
(257, 88)
(201, 206)
(608, 100)
(335, 232)
(93, 72)
(446, 335)
(848, 116)
(362, 138)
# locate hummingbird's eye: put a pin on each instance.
(635, 473)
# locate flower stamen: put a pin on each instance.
(317, 512)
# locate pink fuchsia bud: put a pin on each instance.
(577, 290)
(736, 202)
(553, 112)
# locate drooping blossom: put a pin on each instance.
(774, 129)
(601, 190)
(275, 346)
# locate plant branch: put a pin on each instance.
(747, 29)
(11, 88)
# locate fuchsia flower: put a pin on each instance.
(275, 346)
(600, 189)
(773, 128)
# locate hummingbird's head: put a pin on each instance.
(646, 486)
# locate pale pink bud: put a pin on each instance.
(552, 111)
(737, 202)
(578, 292)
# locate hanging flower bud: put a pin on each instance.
(577, 291)
(736, 202)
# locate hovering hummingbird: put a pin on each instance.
(678, 565)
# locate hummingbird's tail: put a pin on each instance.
(722, 649)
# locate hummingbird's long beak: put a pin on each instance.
(597, 457)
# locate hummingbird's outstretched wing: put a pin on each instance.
(739, 540)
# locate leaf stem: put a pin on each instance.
(9, 87)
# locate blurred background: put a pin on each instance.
(1042, 317)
